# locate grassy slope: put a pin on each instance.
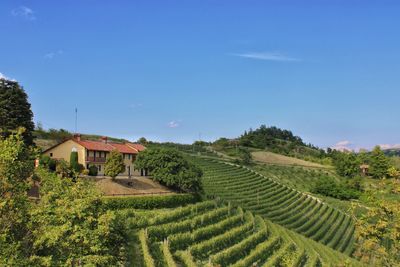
(273, 158)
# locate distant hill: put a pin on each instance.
(47, 138)
(276, 140)
(392, 152)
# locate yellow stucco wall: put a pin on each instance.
(63, 151)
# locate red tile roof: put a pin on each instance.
(102, 146)
(138, 147)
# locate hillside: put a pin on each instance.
(274, 158)
(214, 234)
(283, 205)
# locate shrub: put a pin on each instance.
(73, 161)
(327, 186)
(149, 202)
(48, 163)
(63, 169)
(93, 170)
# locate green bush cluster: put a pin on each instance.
(150, 202)
(327, 186)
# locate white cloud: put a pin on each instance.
(269, 56)
(2, 76)
(51, 55)
(389, 146)
(342, 146)
(24, 12)
(173, 124)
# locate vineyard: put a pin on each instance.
(211, 233)
(278, 203)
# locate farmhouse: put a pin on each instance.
(96, 152)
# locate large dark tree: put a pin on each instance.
(15, 110)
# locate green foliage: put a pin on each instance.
(378, 229)
(48, 163)
(16, 166)
(73, 162)
(69, 225)
(142, 141)
(347, 164)
(245, 156)
(169, 167)
(329, 187)
(379, 163)
(63, 169)
(15, 110)
(93, 170)
(114, 164)
(149, 202)
(57, 135)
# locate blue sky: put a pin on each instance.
(177, 70)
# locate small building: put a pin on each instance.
(96, 152)
(364, 169)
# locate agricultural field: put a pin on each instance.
(278, 159)
(211, 233)
(283, 205)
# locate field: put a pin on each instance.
(211, 233)
(273, 158)
(131, 186)
(279, 203)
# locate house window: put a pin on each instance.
(51, 154)
(99, 167)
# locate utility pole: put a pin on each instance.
(76, 120)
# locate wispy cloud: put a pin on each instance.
(24, 12)
(173, 124)
(344, 145)
(51, 55)
(268, 56)
(2, 76)
(390, 146)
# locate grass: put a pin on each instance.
(277, 159)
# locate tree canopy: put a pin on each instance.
(114, 164)
(169, 167)
(15, 110)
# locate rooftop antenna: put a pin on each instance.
(76, 120)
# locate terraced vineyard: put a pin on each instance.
(285, 206)
(213, 234)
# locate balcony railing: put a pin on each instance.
(93, 159)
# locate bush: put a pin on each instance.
(114, 164)
(93, 170)
(48, 163)
(327, 186)
(149, 202)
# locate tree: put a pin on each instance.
(245, 156)
(69, 225)
(63, 169)
(73, 162)
(142, 141)
(15, 110)
(346, 164)
(114, 164)
(379, 163)
(169, 167)
(16, 167)
(378, 230)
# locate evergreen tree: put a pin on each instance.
(73, 161)
(114, 164)
(15, 110)
(379, 163)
